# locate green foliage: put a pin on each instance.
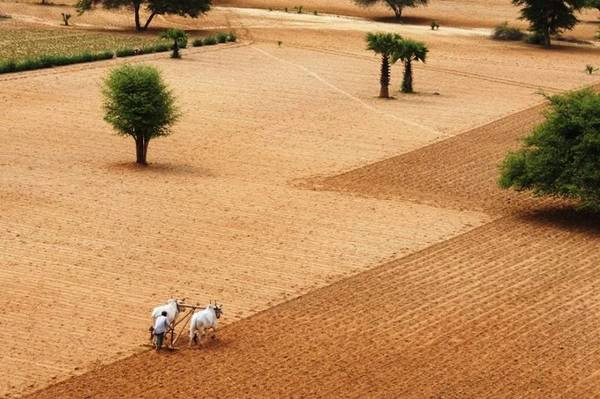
(592, 4)
(210, 41)
(49, 61)
(535, 38)
(137, 103)
(179, 38)
(125, 52)
(562, 155)
(549, 17)
(198, 43)
(508, 33)
(231, 37)
(407, 52)
(191, 8)
(384, 44)
(396, 5)
(222, 37)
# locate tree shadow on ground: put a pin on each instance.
(565, 218)
(408, 20)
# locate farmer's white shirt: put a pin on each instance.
(161, 325)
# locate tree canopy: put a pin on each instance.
(396, 5)
(191, 8)
(549, 17)
(562, 155)
(137, 103)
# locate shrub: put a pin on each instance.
(125, 52)
(590, 69)
(198, 43)
(560, 158)
(222, 37)
(434, 25)
(7, 66)
(137, 103)
(210, 41)
(535, 38)
(231, 37)
(506, 32)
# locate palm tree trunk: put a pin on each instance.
(407, 82)
(396, 8)
(385, 77)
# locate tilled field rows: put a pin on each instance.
(509, 309)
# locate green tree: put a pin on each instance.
(191, 8)
(409, 51)
(137, 103)
(385, 44)
(179, 38)
(396, 5)
(592, 4)
(549, 17)
(562, 155)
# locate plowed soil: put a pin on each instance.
(283, 181)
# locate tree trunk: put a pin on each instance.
(141, 147)
(145, 155)
(547, 39)
(385, 77)
(149, 20)
(175, 49)
(398, 12)
(136, 13)
(407, 82)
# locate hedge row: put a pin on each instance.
(48, 61)
(212, 40)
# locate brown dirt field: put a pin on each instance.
(483, 315)
(219, 214)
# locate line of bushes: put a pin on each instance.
(211, 40)
(48, 61)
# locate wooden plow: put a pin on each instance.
(190, 310)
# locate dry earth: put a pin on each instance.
(90, 243)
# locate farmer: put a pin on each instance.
(161, 326)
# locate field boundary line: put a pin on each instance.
(346, 94)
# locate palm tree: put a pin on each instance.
(409, 51)
(385, 44)
(179, 38)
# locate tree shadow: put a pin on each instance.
(565, 218)
(407, 20)
(160, 169)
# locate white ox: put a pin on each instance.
(171, 307)
(204, 320)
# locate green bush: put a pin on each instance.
(7, 66)
(535, 38)
(560, 158)
(222, 37)
(506, 32)
(125, 52)
(210, 41)
(198, 43)
(231, 37)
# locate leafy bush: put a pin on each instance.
(535, 38)
(506, 32)
(125, 52)
(210, 41)
(198, 43)
(560, 158)
(231, 37)
(222, 37)
(8, 66)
